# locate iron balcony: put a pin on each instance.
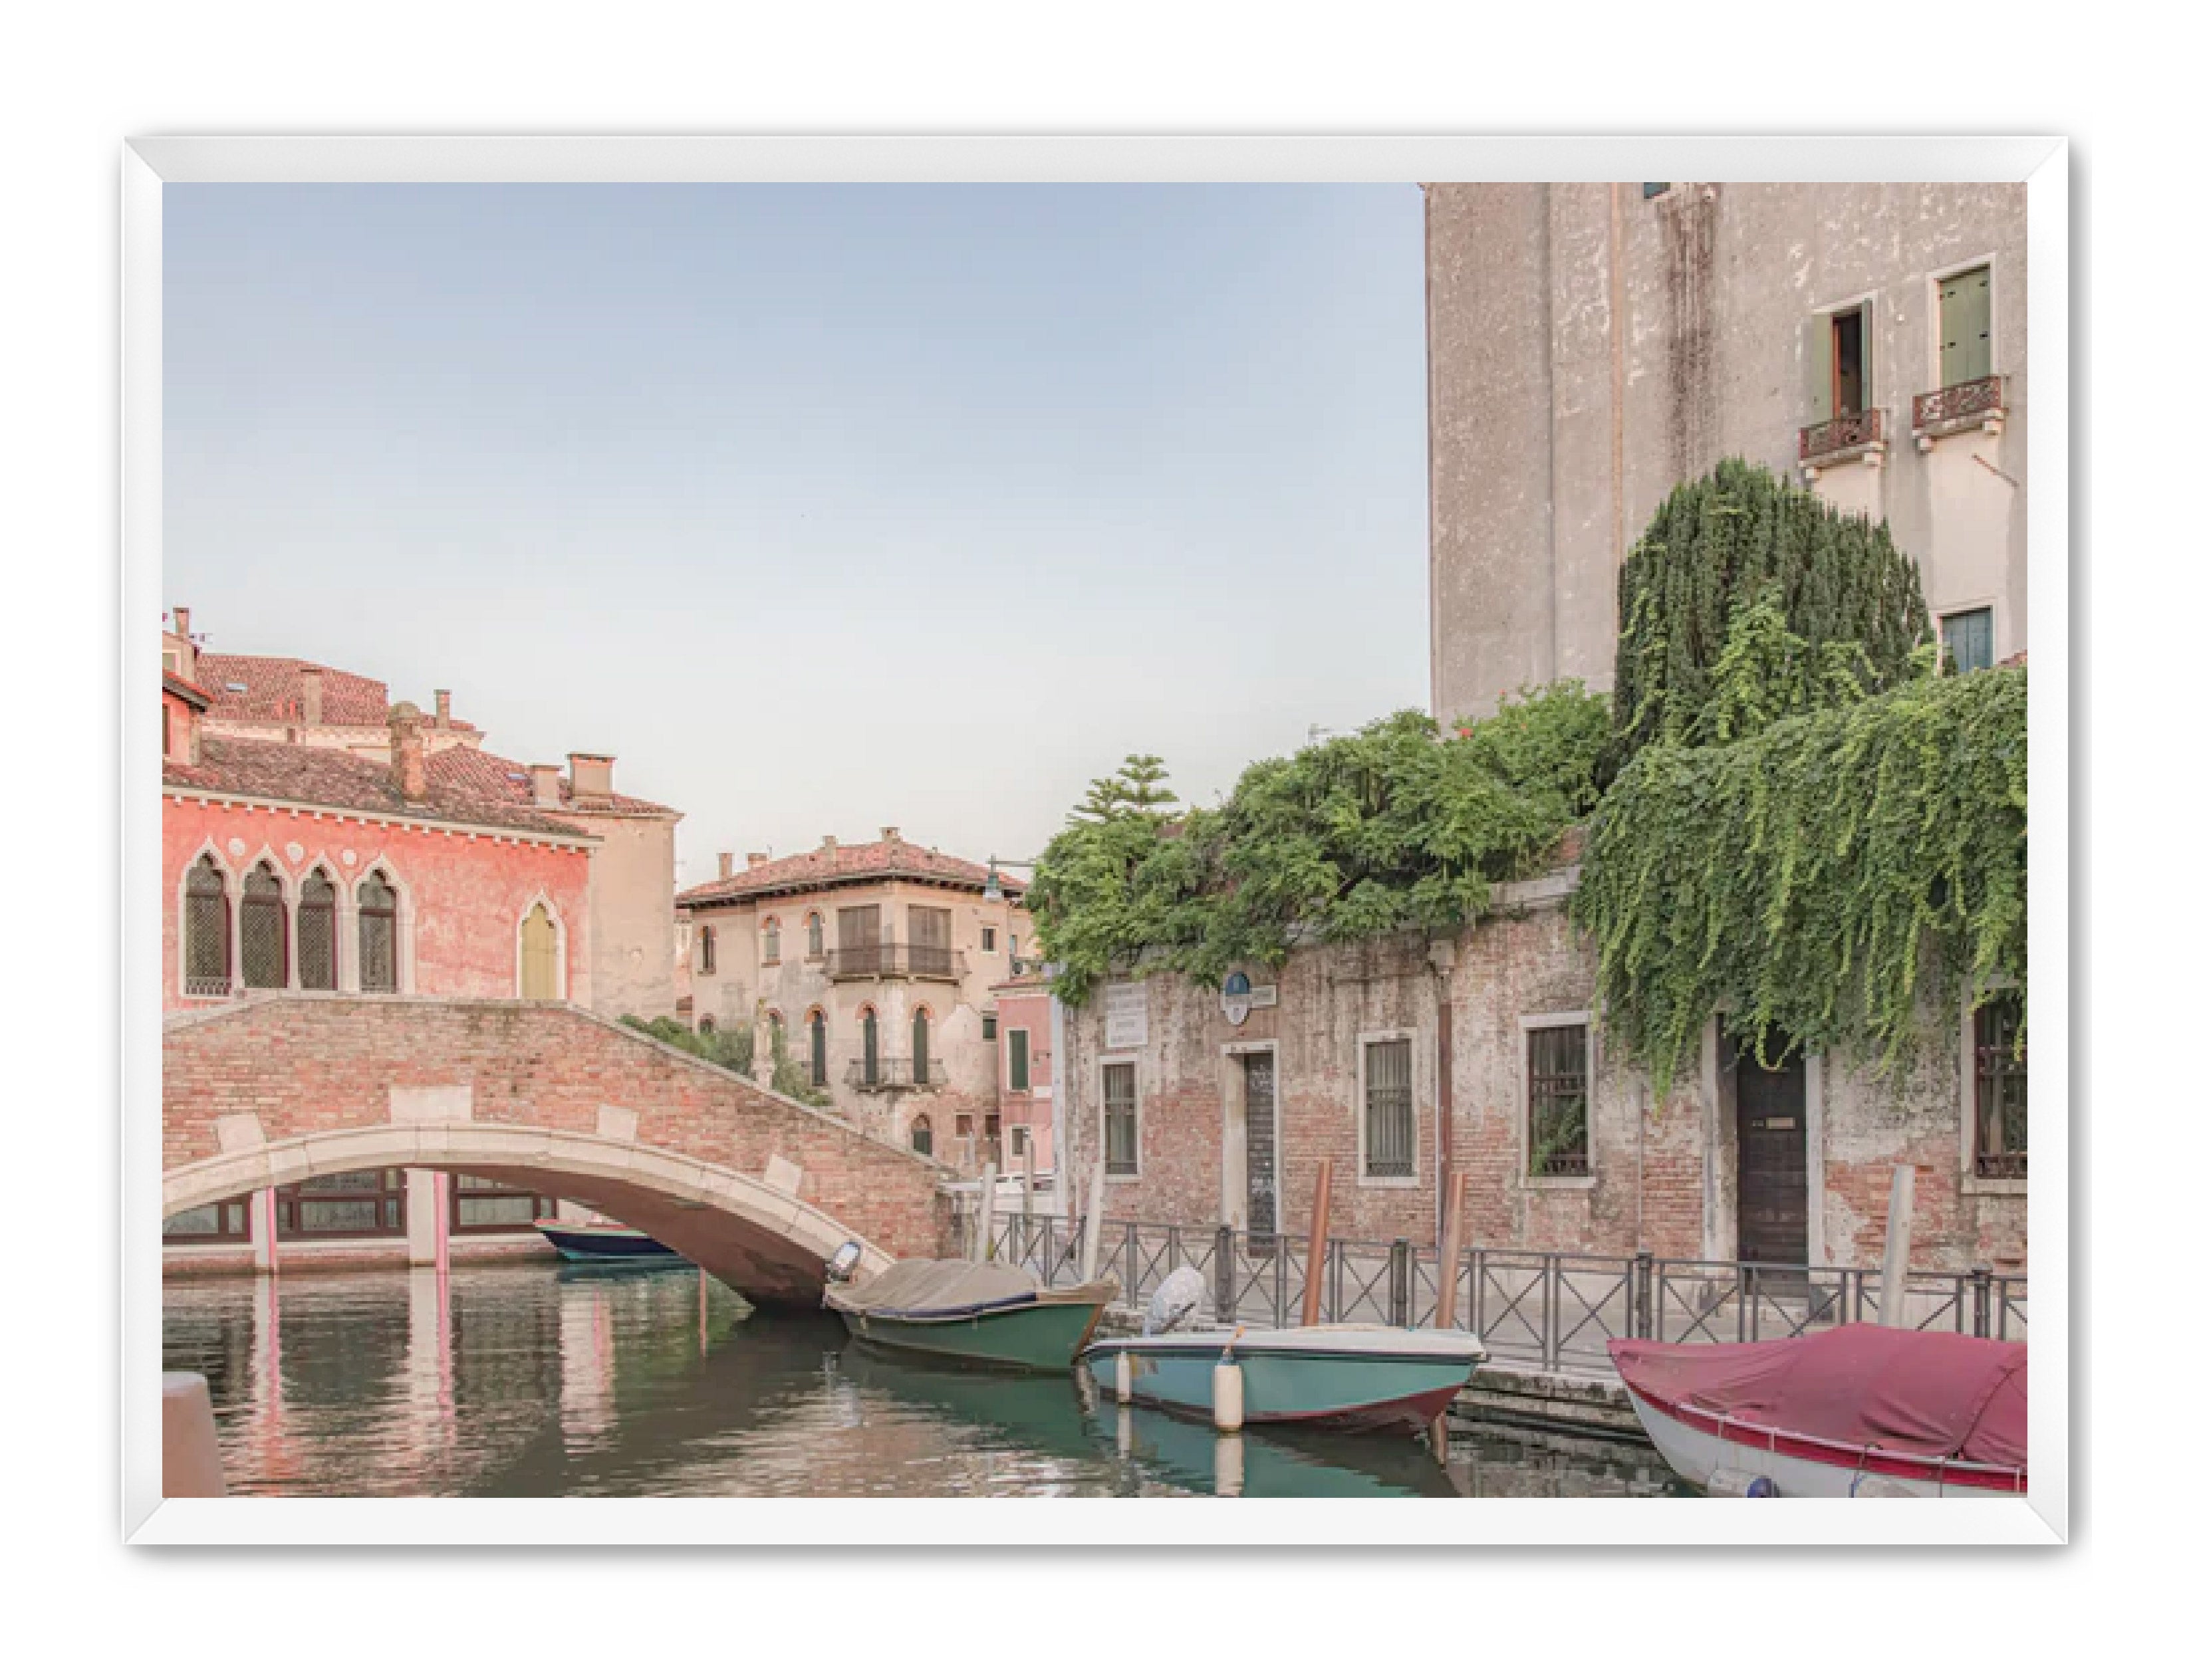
(893, 1073)
(894, 960)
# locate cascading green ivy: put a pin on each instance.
(1847, 607)
(1824, 875)
(1397, 826)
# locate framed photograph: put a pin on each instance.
(1127, 823)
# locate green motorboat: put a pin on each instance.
(966, 1311)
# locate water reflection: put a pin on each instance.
(537, 1380)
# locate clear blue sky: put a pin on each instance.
(820, 508)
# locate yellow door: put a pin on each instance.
(536, 974)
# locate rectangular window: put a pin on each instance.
(1387, 1108)
(988, 1028)
(1964, 328)
(1655, 189)
(1840, 364)
(987, 939)
(216, 1222)
(706, 950)
(859, 935)
(1021, 1057)
(480, 1204)
(1967, 636)
(2002, 1077)
(929, 939)
(343, 1204)
(1557, 1102)
(1121, 1119)
(1020, 1136)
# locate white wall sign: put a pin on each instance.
(1125, 1015)
(1241, 998)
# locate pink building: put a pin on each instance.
(1025, 1071)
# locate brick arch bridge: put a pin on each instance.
(548, 1098)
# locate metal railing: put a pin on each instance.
(1970, 399)
(1550, 1311)
(1861, 430)
(893, 1073)
(887, 958)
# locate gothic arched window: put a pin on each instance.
(205, 931)
(376, 935)
(919, 1047)
(316, 969)
(813, 936)
(870, 1047)
(817, 1033)
(263, 931)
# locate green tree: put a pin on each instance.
(1749, 599)
(731, 1048)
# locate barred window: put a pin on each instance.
(376, 935)
(262, 930)
(1557, 1102)
(2002, 1077)
(315, 933)
(1388, 1110)
(1121, 1119)
(205, 931)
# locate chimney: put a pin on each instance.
(827, 852)
(726, 865)
(183, 622)
(547, 785)
(316, 694)
(891, 835)
(591, 776)
(754, 859)
(407, 752)
(440, 708)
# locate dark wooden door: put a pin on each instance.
(1772, 1113)
(1261, 1152)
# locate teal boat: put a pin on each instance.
(1338, 1376)
(968, 1311)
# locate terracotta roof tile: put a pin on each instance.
(263, 688)
(327, 776)
(475, 774)
(872, 860)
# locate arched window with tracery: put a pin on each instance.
(316, 969)
(816, 1033)
(205, 931)
(771, 941)
(813, 936)
(919, 1047)
(263, 931)
(535, 976)
(376, 935)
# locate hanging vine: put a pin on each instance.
(1825, 875)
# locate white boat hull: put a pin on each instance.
(1717, 1464)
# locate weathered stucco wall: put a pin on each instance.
(461, 895)
(1589, 348)
(633, 913)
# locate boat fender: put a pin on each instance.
(1124, 1378)
(1229, 1394)
(1730, 1484)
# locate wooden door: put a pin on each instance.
(1771, 1110)
(1261, 1071)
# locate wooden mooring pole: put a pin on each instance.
(1318, 1246)
(1447, 1301)
(1899, 1218)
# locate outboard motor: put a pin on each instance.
(1178, 1298)
(844, 1263)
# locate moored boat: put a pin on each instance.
(1857, 1411)
(964, 1309)
(1339, 1375)
(597, 1242)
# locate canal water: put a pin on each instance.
(539, 1381)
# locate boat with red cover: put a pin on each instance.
(1859, 1410)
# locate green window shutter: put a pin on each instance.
(1820, 368)
(1867, 399)
(1964, 327)
(1019, 1070)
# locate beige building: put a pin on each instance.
(1593, 344)
(872, 966)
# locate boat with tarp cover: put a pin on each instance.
(1857, 1411)
(968, 1309)
(1336, 1376)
